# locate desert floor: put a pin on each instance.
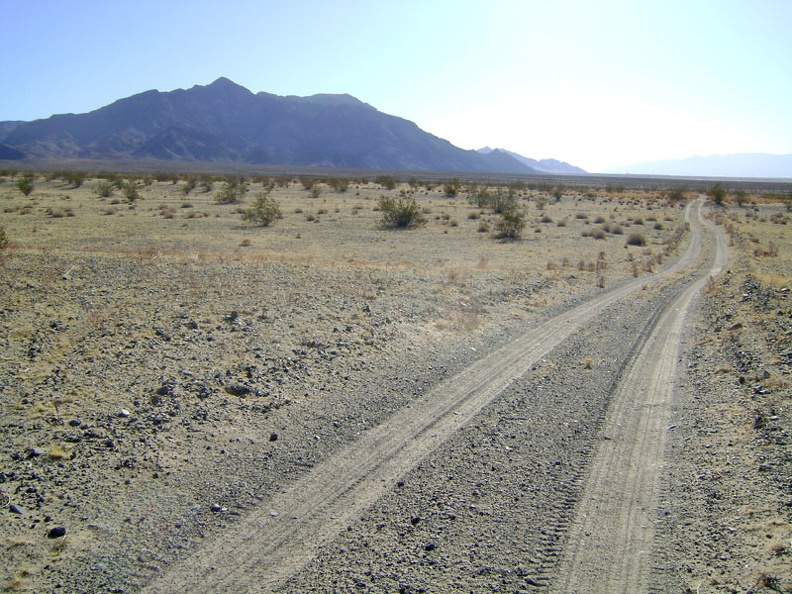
(168, 371)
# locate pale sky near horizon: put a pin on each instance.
(599, 84)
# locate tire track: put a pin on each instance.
(284, 533)
(609, 545)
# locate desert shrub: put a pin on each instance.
(386, 181)
(74, 178)
(130, 190)
(3, 238)
(168, 212)
(677, 194)
(546, 219)
(771, 251)
(104, 189)
(316, 191)
(339, 184)
(599, 234)
(542, 201)
(264, 211)
(511, 224)
(499, 201)
(189, 185)
(717, 193)
(232, 192)
(25, 184)
(206, 183)
(452, 187)
(400, 212)
(483, 227)
(599, 220)
(636, 239)
(56, 212)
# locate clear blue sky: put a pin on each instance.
(597, 83)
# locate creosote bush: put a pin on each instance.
(400, 212)
(386, 181)
(636, 239)
(233, 192)
(717, 193)
(264, 212)
(511, 224)
(131, 191)
(25, 184)
(3, 238)
(104, 189)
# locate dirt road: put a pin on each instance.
(283, 534)
(610, 542)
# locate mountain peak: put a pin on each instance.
(224, 82)
(331, 99)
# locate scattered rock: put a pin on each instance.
(238, 390)
(56, 532)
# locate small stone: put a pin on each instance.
(15, 509)
(56, 532)
(430, 547)
(75, 422)
(124, 413)
(238, 390)
(273, 437)
(164, 390)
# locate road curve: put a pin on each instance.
(284, 533)
(610, 541)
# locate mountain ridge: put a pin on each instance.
(551, 166)
(224, 122)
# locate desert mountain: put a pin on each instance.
(224, 122)
(542, 166)
(737, 165)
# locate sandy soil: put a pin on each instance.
(167, 376)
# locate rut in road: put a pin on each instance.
(610, 541)
(281, 536)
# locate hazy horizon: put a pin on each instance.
(598, 85)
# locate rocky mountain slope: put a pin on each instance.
(224, 122)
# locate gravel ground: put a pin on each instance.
(726, 514)
(147, 403)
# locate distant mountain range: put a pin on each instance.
(738, 165)
(225, 123)
(542, 166)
